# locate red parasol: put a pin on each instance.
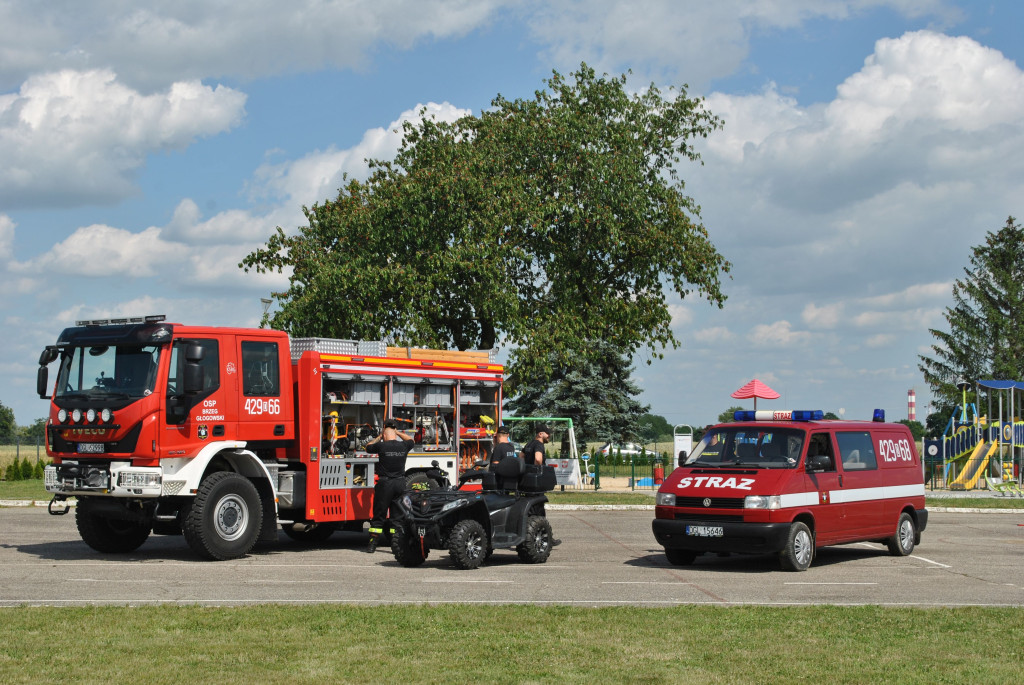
(755, 389)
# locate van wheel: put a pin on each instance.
(680, 557)
(799, 550)
(902, 543)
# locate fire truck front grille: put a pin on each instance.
(715, 502)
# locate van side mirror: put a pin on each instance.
(682, 457)
(48, 355)
(195, 378)
(819, 462)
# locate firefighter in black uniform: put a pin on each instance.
(503, 448)
(391, 448)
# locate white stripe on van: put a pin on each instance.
(865, 494)
(799, 499)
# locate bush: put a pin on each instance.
(26, 469)
(37, 472)
(13, 470)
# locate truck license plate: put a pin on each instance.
(90, 448)
(705, 531)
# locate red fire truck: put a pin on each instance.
(223, 433)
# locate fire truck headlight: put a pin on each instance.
(90, 416)
(666, 499)
(762, 502)
(76, 415)
(62, 415)
(106, 415)
(131, 479)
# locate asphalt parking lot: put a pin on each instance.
(607, 557)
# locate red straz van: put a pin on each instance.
(787, 482)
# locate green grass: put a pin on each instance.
(510, 644)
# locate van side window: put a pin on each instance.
(857, 450)
(261, 369)
(820, 444)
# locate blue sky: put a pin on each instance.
(146, 147)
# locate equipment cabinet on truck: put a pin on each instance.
(787, 483)
(224, 433)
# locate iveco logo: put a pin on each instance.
(707, 501)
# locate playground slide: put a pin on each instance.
(975, 466)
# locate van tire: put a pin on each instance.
(680, 557)
(798, 553)
(902, 543)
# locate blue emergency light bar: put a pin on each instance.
(788, 415)
(879, 416)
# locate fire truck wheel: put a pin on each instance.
(225, 517)
(799, 550)
(309, 533)
(407, 549)
(467, 544)
(902, 543)
(536, 548)
(680, 557)
(106, 534)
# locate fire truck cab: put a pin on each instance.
(223, 433)
(788, 483)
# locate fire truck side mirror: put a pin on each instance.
(42, 376)
(195, 376)
(682, 457)
(42, 382)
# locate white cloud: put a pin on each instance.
(319, 175)
(778, 334)
(102, 251)
(154, 44)
(6, 237)
(695, 41)
(74, 136)
(713, 335)
(826, 316)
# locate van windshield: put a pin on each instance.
(764, 448)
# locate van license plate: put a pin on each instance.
(90, 447)
(705, 531)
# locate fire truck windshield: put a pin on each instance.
(108, 371)
(767, 447)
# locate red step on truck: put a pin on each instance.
(788, 483)
(224, 434)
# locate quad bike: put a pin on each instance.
(508, 512)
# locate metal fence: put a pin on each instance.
(21, 450)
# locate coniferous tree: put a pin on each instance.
(985, 338)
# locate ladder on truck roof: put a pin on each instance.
(378, 348)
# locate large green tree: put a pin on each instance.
(595, 390)
(542, 225)
(985, 337)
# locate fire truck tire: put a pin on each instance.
(536, 548)
(106, 534)
(467, 544)
(407, 549)
(799, 550)
(680, 557)
(225, 518)
(318, 533)
(902, 543)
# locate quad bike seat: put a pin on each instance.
(487, 478)
(508, 472)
